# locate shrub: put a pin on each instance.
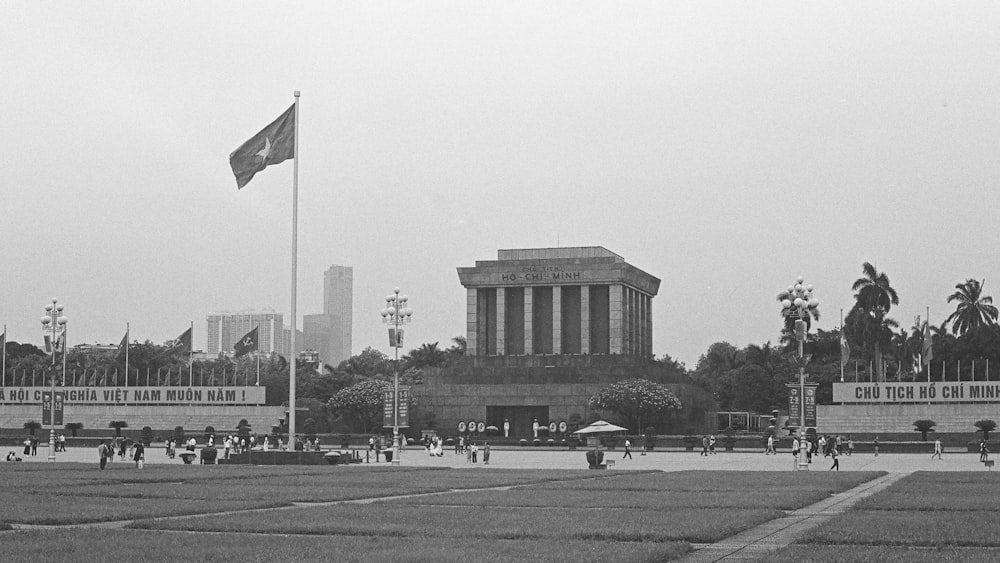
(31, 426)
(986, 426)
(449, 441)
(118, 425)
(179, 434)
(147, 435)
(74, 427)
(924, 426)
(650, 430)
(523, 442)
(551, 442)
(208, 455)
(209, 432)
(492, 431)
(543, 431)
(536, 442)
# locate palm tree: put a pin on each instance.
(973, 309)
(874, 296)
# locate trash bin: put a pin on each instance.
(388, 454)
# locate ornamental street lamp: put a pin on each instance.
(396, 313)
(798, 302)
(54, 325)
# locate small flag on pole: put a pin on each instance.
(183, 342)
(246, 344)
(845, 350)
(123, 345)
(274, 144)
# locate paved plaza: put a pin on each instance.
(531, 458)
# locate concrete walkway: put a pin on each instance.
(756, 543)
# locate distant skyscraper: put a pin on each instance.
(225, 328)
(329, 333)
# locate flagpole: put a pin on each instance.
(65, 347)
(843, 339)
(3, 374)
(126, 357)
(295, 242)
(257, 352)
(191, 359)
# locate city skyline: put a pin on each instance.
(724, 148)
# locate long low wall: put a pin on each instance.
(847, 419)
(191, 417)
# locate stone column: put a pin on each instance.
(501, 321)
(615, 318)
(471, 321)
(529, 332)
(557, 320)
(585, 319)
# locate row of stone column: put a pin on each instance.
(603, 319)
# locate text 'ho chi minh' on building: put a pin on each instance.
(546, 329)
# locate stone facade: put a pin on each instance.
(546, 329)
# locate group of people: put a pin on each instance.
(136, 450)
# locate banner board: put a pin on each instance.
(252, 395)
(404, 408)
(797, 402)
(918, 392)
(50, 408)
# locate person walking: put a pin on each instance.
(711, 444)
(704, 445)
(486, 453)
(875, 444)
(937, 448)
(628, 449)
(475, 452)
(139, 456)
(770, 445)
(643, 445)
(795, 454)
(850, 446)
(836, 459)
(102, 452)
(984, 452)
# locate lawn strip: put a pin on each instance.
(882, 554)
(156, 547)
(934, 528)
(651, 499)
(385, 520)
(60, 510)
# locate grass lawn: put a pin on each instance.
(546, 515)
(77, 545)
(923, 517)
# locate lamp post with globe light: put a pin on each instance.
(797, 302)
(54, 325)
(396, 313)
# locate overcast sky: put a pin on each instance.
(724, 147)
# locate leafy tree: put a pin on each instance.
(31, 426)
(635, 401)
(368, 363)
(118, 425)
(874, 297)
(147, 435)
(427, 355)
(74, 427)
(974, 309)
(924, 426)
(363, 401)
(457, 349)
(715, 372)
(985, 426)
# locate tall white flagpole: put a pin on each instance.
(295, 249)
(3, 374)
(190, 360)
(126, 357)
(842, 339)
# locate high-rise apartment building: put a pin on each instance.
(329, 333)
(225, 328)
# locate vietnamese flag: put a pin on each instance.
(274, 144)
